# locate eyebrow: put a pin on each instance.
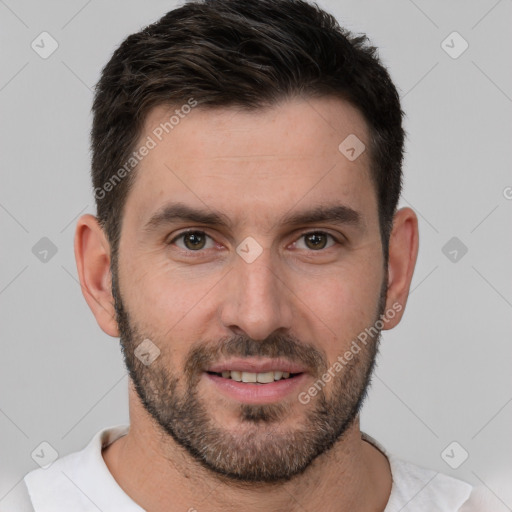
(176, 212)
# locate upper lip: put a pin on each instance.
(256, 366)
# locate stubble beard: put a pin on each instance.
(259, 450)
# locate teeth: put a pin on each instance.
(236, 375)
(249, 377)
(265, 377)
(262, 378)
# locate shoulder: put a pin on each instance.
(19, 499)
(483, 499)
(74, 480)
(421, 489)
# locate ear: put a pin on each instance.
(92, 253)
(403, 251)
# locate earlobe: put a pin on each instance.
(92, 253)
(403, 252)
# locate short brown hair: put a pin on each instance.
(243, 53)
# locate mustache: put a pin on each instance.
(276, 346)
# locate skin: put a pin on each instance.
(255, 167)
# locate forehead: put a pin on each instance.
(249, 162)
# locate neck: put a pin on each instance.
(160, 475)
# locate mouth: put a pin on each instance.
(256, 378)
(256, 381)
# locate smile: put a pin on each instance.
(252, 377)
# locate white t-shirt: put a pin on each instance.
(82, 482)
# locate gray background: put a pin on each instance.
(443, 373)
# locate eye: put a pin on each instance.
(193, 241)
(315, 240)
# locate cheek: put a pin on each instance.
(158, 288)
(345, 306)
(166, 302)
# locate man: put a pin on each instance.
(248, 251)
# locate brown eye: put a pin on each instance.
(316, 241)
(194, 240)
(191, 240)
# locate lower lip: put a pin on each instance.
(251, 393)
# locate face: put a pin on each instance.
(250, 258)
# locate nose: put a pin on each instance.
(257, 300)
